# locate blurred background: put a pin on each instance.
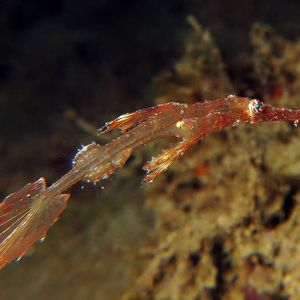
(67, 67)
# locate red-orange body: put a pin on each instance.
(26, 216)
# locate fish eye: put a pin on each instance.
(255, 106)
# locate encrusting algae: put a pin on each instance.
(227, 221)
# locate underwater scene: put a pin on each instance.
(149, 150)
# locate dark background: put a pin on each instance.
(60, 54)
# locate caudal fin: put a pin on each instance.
(25, 217)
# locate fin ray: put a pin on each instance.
(130, 120)
(25, 218)
(160, 163)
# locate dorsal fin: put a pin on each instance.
(128, 121)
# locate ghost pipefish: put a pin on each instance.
(25, 216)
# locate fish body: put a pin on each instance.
(25, 216)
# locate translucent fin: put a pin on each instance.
(25, 217)
(101, 170)
(128, 121)
(15, 201)
(160, 163)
